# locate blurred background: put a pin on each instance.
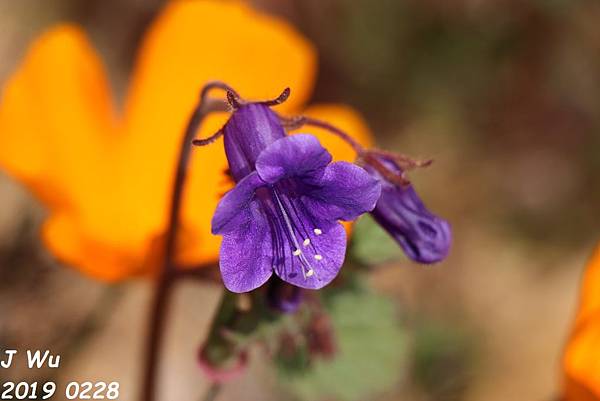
(503, 94)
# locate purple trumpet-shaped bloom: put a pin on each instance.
(283, 214)
(423, 236)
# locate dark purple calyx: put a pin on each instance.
(283, 297)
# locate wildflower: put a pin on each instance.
(423, 236)
(283, 214)
(581, 361)
(105, 177)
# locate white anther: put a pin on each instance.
(306, 242)
(318, 231)
(297, 252)
(318, 257)
(310, 273)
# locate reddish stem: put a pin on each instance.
(167, 274)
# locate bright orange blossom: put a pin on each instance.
(582, 355)
(105, 175)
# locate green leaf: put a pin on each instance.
(371, 351)
(371, 244)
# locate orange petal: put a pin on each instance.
(106, 261)
(57, 135)
(109, 193)
(56, 115)
(582, 355)
(191, 43)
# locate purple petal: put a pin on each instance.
(307, 251)
(246, 253)
(292, 156)
(325, 257)
(344, 192)
(232, 206)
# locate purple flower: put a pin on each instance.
(283, 214)
(423, 236)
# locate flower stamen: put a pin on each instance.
(306, 267)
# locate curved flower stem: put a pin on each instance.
(167, 274)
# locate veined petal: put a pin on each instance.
(231, 208)
(246, 253)
(325, 258)
(344, 192)
(293, 156)
(308, 251)
(345, 118)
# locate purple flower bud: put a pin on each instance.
(424, 237)
(283, 297)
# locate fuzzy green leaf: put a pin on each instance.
(371, 351)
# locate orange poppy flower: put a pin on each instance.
(105, 176)
(582, 355)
